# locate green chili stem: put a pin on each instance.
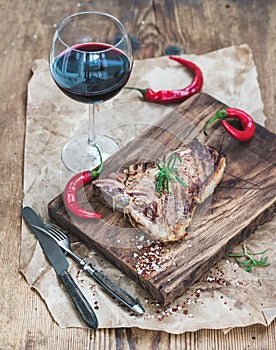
(96, 173)
(143, 91)
(222, 114)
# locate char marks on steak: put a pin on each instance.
(163, 217)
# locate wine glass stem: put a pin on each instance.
(91, 127)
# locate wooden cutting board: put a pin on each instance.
(244, 199)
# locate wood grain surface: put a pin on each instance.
(244, 200)
(156, 27)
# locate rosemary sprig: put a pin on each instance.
(168, 173)
(250, 261)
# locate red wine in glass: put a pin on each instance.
(91, 77)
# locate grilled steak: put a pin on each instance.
(164, 217)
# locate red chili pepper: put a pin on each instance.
(246, 121)
(71, 190)
(175, 95)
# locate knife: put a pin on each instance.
(116, 291)
(60, 264)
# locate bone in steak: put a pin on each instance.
(163, 217)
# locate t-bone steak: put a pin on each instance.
(164, 217)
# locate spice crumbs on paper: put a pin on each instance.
(92, 288)
(79, 280)
(96, 306)
(218, 280)
(184, 308)
(179, 309)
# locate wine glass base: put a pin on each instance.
(78, 155)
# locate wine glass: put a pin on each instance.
(90, 61)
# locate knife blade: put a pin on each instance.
(112, 288)
(60, 265)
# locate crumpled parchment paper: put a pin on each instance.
(227, 296)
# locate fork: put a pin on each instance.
(120, 294)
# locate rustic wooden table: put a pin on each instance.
(196, 27)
